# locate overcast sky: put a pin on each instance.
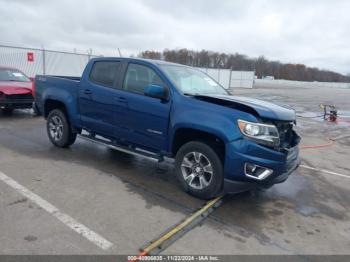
(316, 33)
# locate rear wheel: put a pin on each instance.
(199, 170)
(59, 129)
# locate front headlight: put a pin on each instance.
(260, 133)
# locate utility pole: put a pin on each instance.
(230, 78)
(44, 62)
(89, 53)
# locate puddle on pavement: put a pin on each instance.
(310, 115)
(301, 198)
(249, 213)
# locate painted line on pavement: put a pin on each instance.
(324, 171)
(64, 218)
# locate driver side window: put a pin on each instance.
(137, 77)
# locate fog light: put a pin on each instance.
(256, 172)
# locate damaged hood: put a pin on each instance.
(261, 108)
(15, 88)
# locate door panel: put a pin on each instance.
(97, 109)
(147, 118)
(97, 98)
(147, 121)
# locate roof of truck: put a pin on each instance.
(151, 61)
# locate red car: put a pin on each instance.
(16, 90)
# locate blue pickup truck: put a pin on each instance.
(221, 143)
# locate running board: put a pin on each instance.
(129, 150)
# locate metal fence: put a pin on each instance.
(246, 79)
(231, 79)
(35, 61)
(40, 61)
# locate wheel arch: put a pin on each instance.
(184, 135)
(51, 104)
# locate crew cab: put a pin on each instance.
(221, 143)
(16, 90)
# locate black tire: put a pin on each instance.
(214, 186)
(67, 137)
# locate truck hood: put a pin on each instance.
(258, 107)
(15, 88)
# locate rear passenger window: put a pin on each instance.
(138, 77)
(104, 73)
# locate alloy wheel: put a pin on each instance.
(56, 128)
(197, 170)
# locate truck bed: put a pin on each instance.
(60, 87)
(75, 78)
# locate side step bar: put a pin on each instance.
(129, 150)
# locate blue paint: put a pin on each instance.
(151, 120)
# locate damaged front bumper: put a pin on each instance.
(16, 101)
(279, 164)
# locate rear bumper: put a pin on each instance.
(243, 151)
(36, 109)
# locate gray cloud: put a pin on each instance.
(310, 32)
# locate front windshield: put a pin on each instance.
(12, 75)
(192, 81)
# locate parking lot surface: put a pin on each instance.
(128, 201)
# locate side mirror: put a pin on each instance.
(156, 91)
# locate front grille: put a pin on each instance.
(17, 101)
(19, 97)
(288, 137)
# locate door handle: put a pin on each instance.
(122, 99)
(87, 92)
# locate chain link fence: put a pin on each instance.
(35, 61)
(40, 61)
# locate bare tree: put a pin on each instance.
(261, 65)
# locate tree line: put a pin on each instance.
(261, 65)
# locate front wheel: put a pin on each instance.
(59, 129)
(199, 170)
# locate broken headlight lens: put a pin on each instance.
(260, 133)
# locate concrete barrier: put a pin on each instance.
(298, 84)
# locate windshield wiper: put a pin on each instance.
(189, 94)
(12, 80)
